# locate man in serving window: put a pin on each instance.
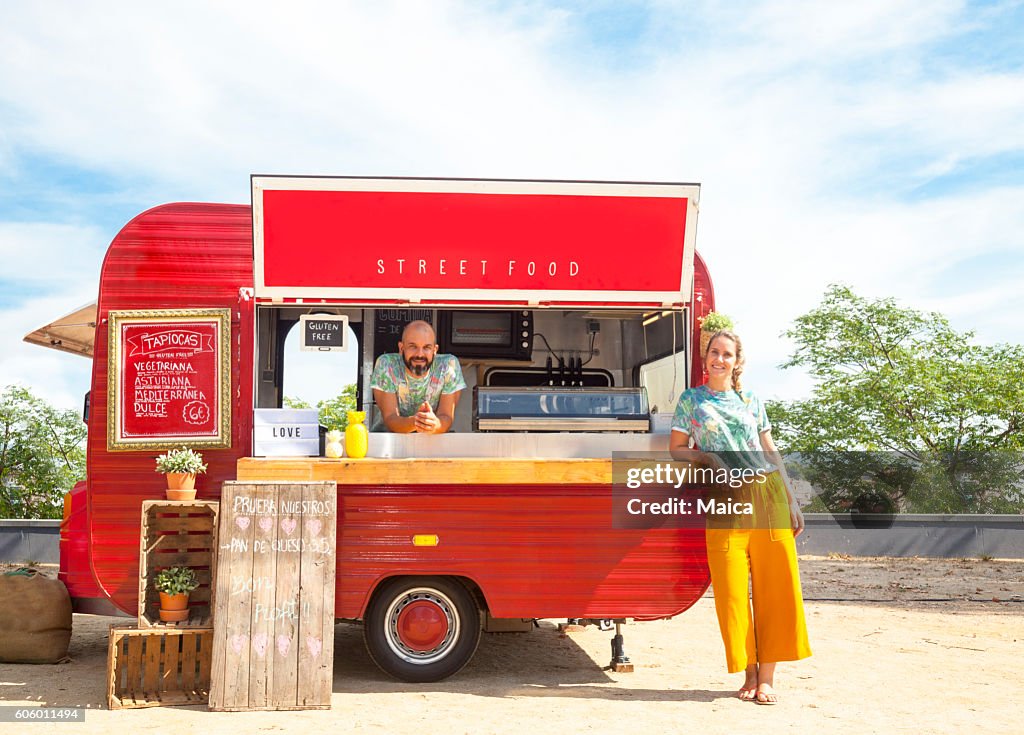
(417, 389)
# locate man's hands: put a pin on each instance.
(426, 421)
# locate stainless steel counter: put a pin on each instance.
(526, 445)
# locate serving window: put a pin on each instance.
(288, 375)
(585, 349)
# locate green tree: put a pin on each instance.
(333, 412)
(42, 455)
(940, 418)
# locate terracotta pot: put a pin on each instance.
(174, 608)
(181, 494)
(181, 486)
(181, 481)
(705, 341)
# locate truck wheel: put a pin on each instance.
(422, 629)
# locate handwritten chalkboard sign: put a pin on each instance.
(389, 323)
(324, 332)
(169, 379)
(273, 624)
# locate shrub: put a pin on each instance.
(715, 322)
(182, 460)
(176, 580)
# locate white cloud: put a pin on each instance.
(51, 256)
(60, 378)
(805, 121)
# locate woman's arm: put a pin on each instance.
(795, 514)
(679, 447)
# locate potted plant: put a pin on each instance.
(711, 323)
(181, 467)
(174, 585)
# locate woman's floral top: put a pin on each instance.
(726, 423)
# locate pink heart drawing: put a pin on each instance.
(237, 641)
(283, 644)
(242, 522)
(266, 523)
(315, 645)
(288, 525)
(259, 644)
(313, 526)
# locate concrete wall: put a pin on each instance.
(31, 540)
(951, 536)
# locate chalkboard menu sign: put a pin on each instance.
(169, 379)
(389, 323)
(273, 623)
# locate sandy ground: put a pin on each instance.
(913, 645)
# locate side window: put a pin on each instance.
(314, 377)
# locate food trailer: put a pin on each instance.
(574, 310)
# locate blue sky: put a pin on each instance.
(877, 143)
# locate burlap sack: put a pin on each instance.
(35, 618)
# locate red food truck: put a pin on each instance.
(573, 308)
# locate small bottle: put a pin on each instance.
(333, 448)
(357, 438)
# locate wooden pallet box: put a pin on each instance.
(155, 667)
(178, 534)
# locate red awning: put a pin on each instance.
(488, 242)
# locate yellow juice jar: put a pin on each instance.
(357, 438)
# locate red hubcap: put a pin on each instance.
(422, 626)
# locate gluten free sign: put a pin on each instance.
(169, 379)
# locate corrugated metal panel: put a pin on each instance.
(702, 304)
(534, 551)
(544, 551)
(176, 256)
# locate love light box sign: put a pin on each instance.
(286, 432)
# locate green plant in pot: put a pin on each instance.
(181, 467)
(711, 323)
(174, 585)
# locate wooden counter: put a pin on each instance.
(428, 471)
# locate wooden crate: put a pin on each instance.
(158, 667)
(178, 534)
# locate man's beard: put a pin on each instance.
(419, 369)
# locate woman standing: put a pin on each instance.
(730, 431)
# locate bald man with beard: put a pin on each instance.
(417, 389)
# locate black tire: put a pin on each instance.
(422, 629)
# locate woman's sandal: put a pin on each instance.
(766, 701)
(747, 694)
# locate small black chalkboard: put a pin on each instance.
(324, 332)
(388, 325)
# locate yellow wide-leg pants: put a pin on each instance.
(767, 624)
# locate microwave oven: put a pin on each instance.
(494, 335)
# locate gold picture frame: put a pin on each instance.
(171, 383)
